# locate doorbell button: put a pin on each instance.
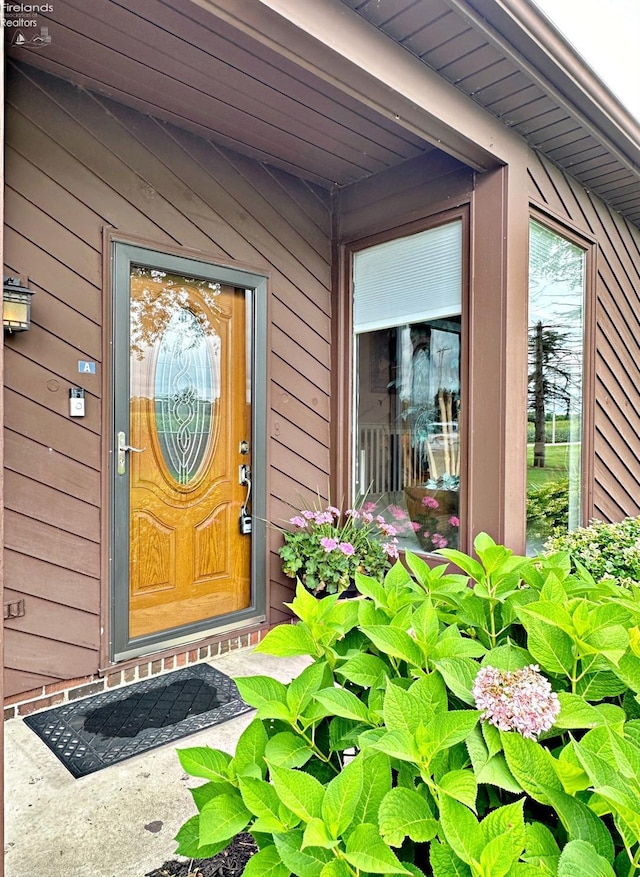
(76, 402)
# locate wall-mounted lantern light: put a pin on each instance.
(16, 305)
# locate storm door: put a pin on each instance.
(183, 450)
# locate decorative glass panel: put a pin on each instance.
(175, 367)
(186, 386)
(407, 387)
(556, 332)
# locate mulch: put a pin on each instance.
(228, 863)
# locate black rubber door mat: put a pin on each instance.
(90, 734)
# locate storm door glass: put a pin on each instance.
(407, 349)
(556, 356)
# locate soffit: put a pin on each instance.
(180, 63)
(482, 48)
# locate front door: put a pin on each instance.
(182, 451)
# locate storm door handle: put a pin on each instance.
(123, 448)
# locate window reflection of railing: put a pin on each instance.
(391, 459)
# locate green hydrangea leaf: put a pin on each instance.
(189, 842)
(203, 761)
(459, 675)
(405, 813)
(287, 749)
(364, 670)
(395, 642)
(307, 862)
(222, 818)
(340, 702)
(258, 691)
(445, 863)
(288, 640)
(367, 851)
(301, 689)
(341, 797)
(266, 863)
(461, 830)
(250, 749)
(461, 785)
(579, 859)
(299, 791)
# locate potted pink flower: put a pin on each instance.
(328, 546)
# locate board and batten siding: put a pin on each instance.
(77, 163)
(616, 483)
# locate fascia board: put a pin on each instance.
(333, 42)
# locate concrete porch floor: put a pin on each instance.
(120, 821)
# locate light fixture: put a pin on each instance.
(16, 305)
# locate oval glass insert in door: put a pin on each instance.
(189, 412)
(187, 392)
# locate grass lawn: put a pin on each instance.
(556, 464)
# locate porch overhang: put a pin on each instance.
(243, 75)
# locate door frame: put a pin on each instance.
(123, 255)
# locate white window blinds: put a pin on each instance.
(410, 279)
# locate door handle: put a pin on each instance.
(123, 448)
(244, 477)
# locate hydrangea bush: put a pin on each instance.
(608, 551)
(440, 729)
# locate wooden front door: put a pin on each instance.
(186, 454)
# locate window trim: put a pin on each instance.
(343, 363)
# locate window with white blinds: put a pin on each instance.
(412, 278)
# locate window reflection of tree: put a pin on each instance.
(158, 296)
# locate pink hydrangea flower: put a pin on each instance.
(328, 543)
(397, 512)
(369, 507)
(415, 526)
(439, 541)
(430, 502)
(391, 548)
(298, 521)
(455, 522)
(346, 548)
(516, 700)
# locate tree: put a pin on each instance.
(549, 380)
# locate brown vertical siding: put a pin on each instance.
(75, 164)
(616, 462)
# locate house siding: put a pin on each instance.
(77, 163)
(616, 463)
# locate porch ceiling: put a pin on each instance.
(177, 61)
(503, 55)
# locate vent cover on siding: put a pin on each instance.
(410, 279)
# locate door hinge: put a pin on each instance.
(14, 609)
